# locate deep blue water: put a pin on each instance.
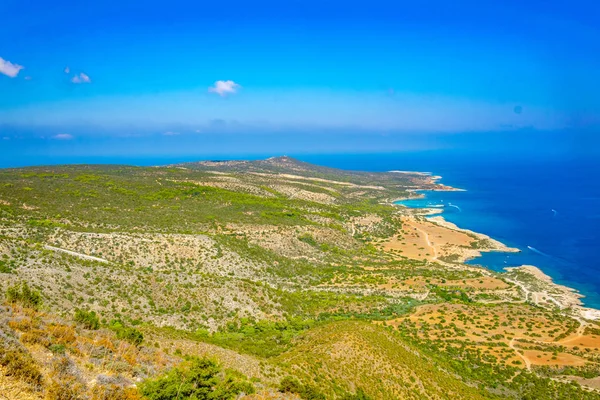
(548, 208)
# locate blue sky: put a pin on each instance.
(93, 77)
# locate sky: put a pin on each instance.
(144, 78)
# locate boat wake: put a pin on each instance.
(457, 207)
(435, 205)
(539, 252)
(554, 213)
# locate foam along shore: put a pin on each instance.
(541, 290)
(538, 287)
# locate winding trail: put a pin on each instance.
(523, 288)
(511, 344)
(578, 333)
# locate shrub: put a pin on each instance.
(231, 386)
(65, 383)
(290, 385)
(308, 239)
(126, 333)
(6, 268)
(307, 392)
(62, 334)
(88, 319)
(36, 336)
(359, 395)
(114, 392)
(23, 295)
(197, 378)
(21, 365)
(57, 348)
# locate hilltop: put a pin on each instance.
(300, 280)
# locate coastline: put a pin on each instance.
(496, 244)
(538, 287)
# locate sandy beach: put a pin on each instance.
(427, 235)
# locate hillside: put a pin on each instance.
(298, 280)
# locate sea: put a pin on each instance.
(548, 206)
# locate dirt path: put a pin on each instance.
(519, 284)
(511, 344)
(431, 246)
(73, 253)
(424, 234)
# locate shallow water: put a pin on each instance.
(548, 208)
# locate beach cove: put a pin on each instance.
(425, 212)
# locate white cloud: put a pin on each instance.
(28, 78)
(81, 78)
(63, 136)
(9, 69)
(170, 133)
(222, 88)
(67, 70)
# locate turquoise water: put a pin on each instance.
(548, 208)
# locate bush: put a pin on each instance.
(36, 336)
(23, 295)
(6, 268)
(292, 385)
(114, 392)
(231, 386)
(21, 365)
(197, 378)
(65, 380)
(131, 335)
(57, 348)
(359, 395)
(126, 333)
(88, 319)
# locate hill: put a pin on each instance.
(297, 279)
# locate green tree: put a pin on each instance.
(88, 319)
(198, 379)
(126, 333)
(24, 295)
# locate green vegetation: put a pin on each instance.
(22, 294)
(88, 319)
(262, 338)
(278, 269)
(292, 385)
(449, 295)
(197, 378)
(129, 334)
(6, 268)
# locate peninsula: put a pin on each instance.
(274, 279)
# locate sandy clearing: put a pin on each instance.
(536, 357)
(582, 341)
(424, 239)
